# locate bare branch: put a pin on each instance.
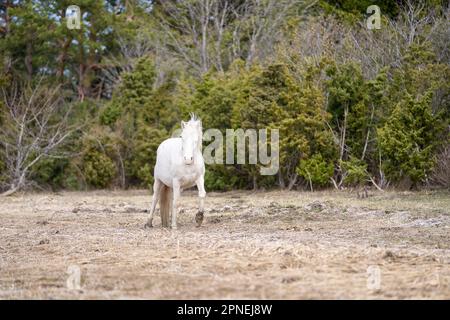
(37, 125)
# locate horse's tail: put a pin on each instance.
(165, 205)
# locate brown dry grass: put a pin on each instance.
(274, 245)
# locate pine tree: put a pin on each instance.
(409, 138)
(305, 138)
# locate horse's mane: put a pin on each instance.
(194, 117)
(195, 120)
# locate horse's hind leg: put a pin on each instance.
(176, 195)
(201, 195)
(156, 193)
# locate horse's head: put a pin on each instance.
(191, 137)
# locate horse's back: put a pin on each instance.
(168, 146)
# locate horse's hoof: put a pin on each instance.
(199, 218)
(148, 225)
(174, 228)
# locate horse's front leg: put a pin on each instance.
(201, 194)
(156, 194)
(176, 195)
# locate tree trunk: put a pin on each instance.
(344, 133)
(29, 60)
(9, 192)
(65, 44)
(255, 182)
(292, 182)
(15, 186)
(281, 180)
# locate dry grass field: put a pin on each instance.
(269, 245)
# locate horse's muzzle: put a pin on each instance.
(188, 160)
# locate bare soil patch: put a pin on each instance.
(274, 245)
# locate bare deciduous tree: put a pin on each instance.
(35, 125)
(208, 33)
(186, 27)
(441, 172)
(114, 66)
(265, 19)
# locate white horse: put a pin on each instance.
(179, 165)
